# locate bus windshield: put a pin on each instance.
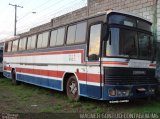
(129, 43)
(128, 38)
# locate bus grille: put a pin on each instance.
(129, 80)
(126, 76)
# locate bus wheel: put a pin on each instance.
(72, 89)
(14, 81)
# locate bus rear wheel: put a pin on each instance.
(72, 89)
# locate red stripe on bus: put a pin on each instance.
(152, 65)
(51, 53)
(116, 63)
(47, 53)
(89, 77)
(50, 73)
(59, 74)
(113, 63)
(8, 68)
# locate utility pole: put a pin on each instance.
(15, 21)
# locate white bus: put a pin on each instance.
(108, 56)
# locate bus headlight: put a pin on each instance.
(122, 93)
(118, 93)
(112, 92)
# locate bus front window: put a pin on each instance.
(129, 43)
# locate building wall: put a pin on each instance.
(144, 8)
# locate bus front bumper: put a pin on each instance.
(128, 92)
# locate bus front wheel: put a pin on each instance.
(72, 89)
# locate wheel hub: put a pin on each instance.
(73, 88)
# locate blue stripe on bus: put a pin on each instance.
(90, 91)
(7, 74)
(43, 82)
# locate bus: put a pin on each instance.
(108, 56)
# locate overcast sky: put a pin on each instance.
(45, 10)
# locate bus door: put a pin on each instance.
(93, 64)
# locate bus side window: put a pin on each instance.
(94, 42)
(15, 46)
(71, 34)
(81, 32)
(22, 44)
(31, 43)
(43, 40)
(9, 46)
(60, 36)
(53, 38)
(77, 33)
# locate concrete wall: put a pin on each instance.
(144, 8)
(64, 19)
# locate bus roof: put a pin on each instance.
(127, 13)
(12, 38)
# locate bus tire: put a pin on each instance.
(72, 89)
(14, 81)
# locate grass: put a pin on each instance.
(27, 98)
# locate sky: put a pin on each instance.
(26, 16)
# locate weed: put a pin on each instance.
(58, 107)
(99, 110)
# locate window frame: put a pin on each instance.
(63, 37)
(130, 16)
(38, 40)
(74, 34)
(17, 45)
(6, 48)
(48, 33)
(51, 36)
(88, 42)
(56, 29)
(41, 33)
(10, 46)
(85, 33)
(35, 42)
(83, 21)
(25, 43)
(126, 28)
